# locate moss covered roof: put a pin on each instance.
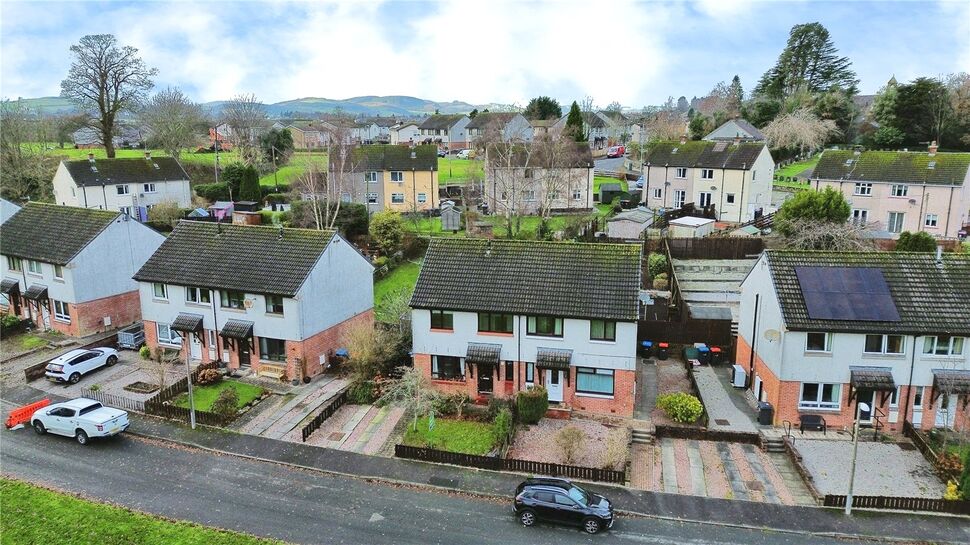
(382, 157)
(705, 154)
(52, 233)
(893, 167)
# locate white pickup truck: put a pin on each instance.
(81, 419)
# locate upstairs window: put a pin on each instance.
(707, 174)
(899, 190)
(15, 264)
(943, 345)
(862, 189)
(197, 295)
(602, 330)
(370, 176)
(932, 220)
(274, 304)
(884, 344)
(493, 322)
(148, 188)
(159, 290)
(818, 342)
(397, 176)
(59, 272)
(122, 189)
(544, 326)
(34, 267)
(442, 319)
(231, 299)
(680, 173)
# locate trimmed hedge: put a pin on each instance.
(213, 192)
(532, 404)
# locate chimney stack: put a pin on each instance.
(737, 139)
(683, 139)
(939, 256)
(91, 157)
(932, 148)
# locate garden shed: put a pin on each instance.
(450, 217)
(610, 191)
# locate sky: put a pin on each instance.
(494, 51)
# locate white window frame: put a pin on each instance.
(422, 197)
(370, 176)
(397, 198)
(15, 264)
(58, 272)
(680, 173)
(35, 267)
(897, 226)
(372, 198)
(198, 295)
(160, 288)
(931, 220)
(171, 338)
(126, 210)
(682, 193)
(884, 345)
(899, 190)
(860, 216)
(729, 198)
(148, 188)
(707, 174)
(62, 312)
(122, 189)
(862, 189)
(528, 194)
(933, 343)
(701, 198)
(827, 345)
(818, 403)
(658, 193)
(397, 176)
(577, 194)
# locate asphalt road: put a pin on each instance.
(308, 507)
(608, 164)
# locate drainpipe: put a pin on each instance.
(666, 181)
(949, 206)
(84, 191)
(922, 202)
(741, 197)
(104, 195)
(909, 383)
(754, 336)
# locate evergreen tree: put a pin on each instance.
(543, 107)
(923, 110)
(699, 126)
(737, 94)
(916, 242)
(473, 113)
(884, 105)
(249, 188)
(809, 61)
(828, 205)
(574, 124)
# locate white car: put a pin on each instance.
(81, 419)
(76, 363)
(464, 154)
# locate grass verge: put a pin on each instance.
(795, 169)
(465, 436)
(451, 170)
(205, 396)
(404, 276)
(32, 514)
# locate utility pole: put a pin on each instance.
(855, 450)
(215, 145)
(276, 178)
(188, 378)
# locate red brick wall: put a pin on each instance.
(624, 383)
(323, 343)
(124, 309)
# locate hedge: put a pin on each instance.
(532, 404)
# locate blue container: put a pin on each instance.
(704, 355)
(646, 349)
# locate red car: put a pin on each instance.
(616, 151)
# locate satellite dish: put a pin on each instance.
(772, 335)
(248, 303)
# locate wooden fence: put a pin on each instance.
(958, 507)
(115, 401)
(509, 464)
(918, 439)
(157, 405)
(328, 411)
(712, 332)
(714, 248)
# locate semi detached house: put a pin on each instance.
(69, 269)
(273, 300)
(493, 317)
(822, 331)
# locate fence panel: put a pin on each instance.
(115, 401)
(936, 505)
(326, 413)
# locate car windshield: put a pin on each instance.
(579, 495)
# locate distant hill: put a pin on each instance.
(48, 105)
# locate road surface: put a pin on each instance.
(308, 507)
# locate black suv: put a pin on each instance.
(559, 500)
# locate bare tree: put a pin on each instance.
(343, 174)
(26, 169)
(828, 235)
(801, 130)
(176, 123)
(107, 79)
(413, 391)
(247, 119)
(554, 175)
(664, 125)
(506, 191)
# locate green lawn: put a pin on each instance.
(205, 396)
(36, 515)
(597, 180)
(206, 159)
(463, 436)
(795, 169)
(404, 276)
(452, 170)
(528, 224)
(298, 164)
(30, 342)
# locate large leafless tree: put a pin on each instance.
(247, 119)
(801, 130)
(26, 169)
(106, 79)
(175, 122)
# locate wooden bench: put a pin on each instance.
(812, 422)
(274, 371)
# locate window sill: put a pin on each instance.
(818, 353)
(544, 337)
(271, 362)
(602, 341)
(62, 320)
(597, 396)
(448, 380)
(882, 355)
(496, 334)
(441, 330)
(157, 300)
(199, 305)
(818, 410)
(59, 280)
(35, 275)
(274, 314)
(230, 309)
(170, 344)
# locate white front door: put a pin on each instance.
(917, 406)
(946, 410)
(212, 344)
(554, 385)
(195, 347)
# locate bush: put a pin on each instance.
(452, 404)
(270, 190)
(660, 282)
(497, 405)
(227, 403)
(617, 449)
(10, 320)
(920, 241)
(361, 393)
(656, 264)
(681, 407)
(965, 476)
(145, 352)
(213, 192)
(951, 493)
(502, 425)
(276, 198)
(208, 376)
(570, 441)
(532, 404)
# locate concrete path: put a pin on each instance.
(290, 413)
(646, 398)
(722, 411)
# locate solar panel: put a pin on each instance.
(857, 294)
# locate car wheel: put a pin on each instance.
(527, 517)
(75, 378)
(591, 525)
(112, 360)
(81, 437)
(39, 427)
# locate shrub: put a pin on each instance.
(95, 388)
(920, 241)
(660, 282)
(570, 441)
(532, 404)
(452, 404)
(227, 403)
(145, 352)
(497, 405)
(208, 376)
(656, 264)
(213, 192)
(276, 198)
(10, 320)
(951, 492)
(617, 449)
(361, 393)
(681, 407)
(965, 476)
(502, 425)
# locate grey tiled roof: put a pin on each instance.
(565, 279)
(441, 121)
(481, 121)
(553, 358)
(187, 322)
(705, 154)
(390, 157)
(930, 299)
(52, 233)
(483, 353)
(248, 258)
(872, 378)
(237, 329)
(125, 171)
(753, 132)
(893, 166)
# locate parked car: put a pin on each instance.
(442, 152)
(616, 151)
(560, 501)
(464, 154)
(640, 182)
(81, 419)
(72, 366)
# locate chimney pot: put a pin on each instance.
(933, 147)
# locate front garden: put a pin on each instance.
(205, 397)
(466, 436)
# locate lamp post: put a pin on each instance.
(855, 450)
(188, 377)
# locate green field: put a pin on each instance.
(205, 396)
(463, 436)
(403, 277)
(36, 515)
(795, 169)
(452, 170)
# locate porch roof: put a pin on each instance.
(237, 329)
(483, 353)
(553, 358)
(951, 381)
(879, 379)
(37, 292)
(9, 286)
(187, 322)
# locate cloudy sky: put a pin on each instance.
(636, 53)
